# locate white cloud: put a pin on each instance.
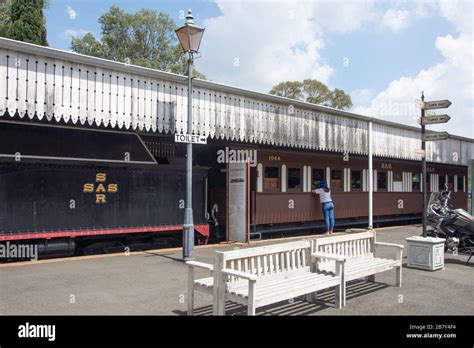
(452, 78)
(361, 96)
(258, 44)
(70, 33)
(71, 12)
(255, 45)
(395, 20)
(344, 16)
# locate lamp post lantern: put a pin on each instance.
(189, 36)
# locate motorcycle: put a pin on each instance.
(456, 226)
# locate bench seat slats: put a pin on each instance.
(270, 288)
(205, 282)
(262, 281)
(364, 264)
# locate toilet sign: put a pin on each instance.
(189, 138)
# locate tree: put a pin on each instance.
(87, 45)
(24, 20)
(288, 89)
(145, 38)
(314, 92)
(340, 100)
(4, 18)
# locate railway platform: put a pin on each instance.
(154, 283)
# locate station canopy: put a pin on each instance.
(50, 85)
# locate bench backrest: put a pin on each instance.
(267, 260)
(356, 245)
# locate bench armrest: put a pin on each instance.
(398, 246)
(239, 274)
(398, 249)
(200, 265)
(321, 255)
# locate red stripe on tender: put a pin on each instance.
(202, 229)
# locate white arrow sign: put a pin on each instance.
(436, 136)
(420, 152)
(435, 119)
(436, 104)
(189, 138)
(419, 103)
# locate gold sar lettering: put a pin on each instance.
(100, 177)
(88, 188)
(112, 188)
(100, 188)
(100, 198)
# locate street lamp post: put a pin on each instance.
(423, 164)
(189, 36)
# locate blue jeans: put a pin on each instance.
(328, 211)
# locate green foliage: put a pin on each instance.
(316, 92)
(87, 45)
(4, 18)
(340, 100)
(24, 20)
(313, 91)
(288, 89)
(146, 38)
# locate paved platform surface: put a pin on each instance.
(154, 283)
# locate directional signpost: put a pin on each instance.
(431, 118)
(420, 153)
(437, 104)
(436, 136)
(436, 119)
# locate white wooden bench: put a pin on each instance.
(269, 274)
(362, 253)
(204, 285)
(264, 275)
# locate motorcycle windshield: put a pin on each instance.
(434, 198)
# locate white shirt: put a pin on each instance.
(324, 196)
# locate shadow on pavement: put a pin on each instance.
(299, 306)
(166, 256)
(460, 262)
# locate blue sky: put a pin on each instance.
(87, 12)
(383, 53)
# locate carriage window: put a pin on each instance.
(318, 175)
(415, 182)
(442, 181)
(294, 178)
(336, 179)
(381, 180)
(461, 183)
(451, 182)
(355, 180)
(272, 178)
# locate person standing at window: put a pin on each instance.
(324, 193)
